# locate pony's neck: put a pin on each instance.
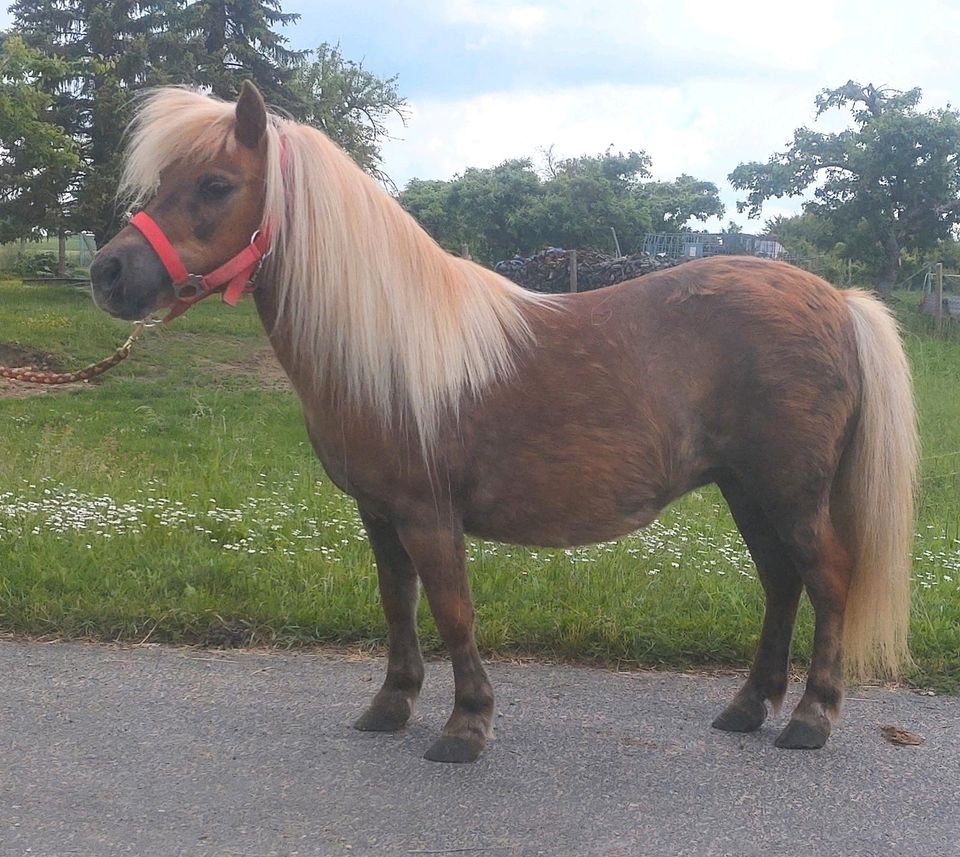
(368, 303)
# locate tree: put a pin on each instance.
(489, 208)
(429, 201)
(818, 245)
(509, 208)
(109, 50)
(350, 104)
(895, 176)
(484, 209)
(37, 157)
(671, 205)
(106, 50)
(235, 40)
(585, 197)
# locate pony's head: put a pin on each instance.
(198, 166)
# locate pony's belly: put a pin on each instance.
(542, 529)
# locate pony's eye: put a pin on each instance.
(214, 188)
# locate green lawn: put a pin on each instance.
(178, 500)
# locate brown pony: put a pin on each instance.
(447, 402)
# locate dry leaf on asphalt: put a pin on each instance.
(901, 737)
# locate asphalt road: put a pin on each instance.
(162, 752)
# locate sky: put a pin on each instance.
(699, 86)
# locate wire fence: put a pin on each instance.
(39, 257)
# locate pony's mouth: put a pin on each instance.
(119, 305)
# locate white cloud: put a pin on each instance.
(699, 86)
(502, 17)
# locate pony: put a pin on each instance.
(447, 401)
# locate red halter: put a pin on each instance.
(233, 278)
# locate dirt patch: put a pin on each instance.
(261, 365)
(264, 364)
(13, 355)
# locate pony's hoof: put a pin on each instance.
(741, 716)
(383, 719)
(800, 735)
(448, 748)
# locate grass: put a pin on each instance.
(178, 500)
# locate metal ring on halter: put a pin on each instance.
(252, 282)
(190, 288)
(268, 251)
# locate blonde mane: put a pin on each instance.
(364, 294)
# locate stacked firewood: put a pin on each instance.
(549, 270)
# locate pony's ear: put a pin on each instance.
(251, 116)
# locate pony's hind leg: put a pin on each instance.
(440, 559)
(825, 566)
(393, 704)
(767, 681)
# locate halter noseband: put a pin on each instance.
(233, 278)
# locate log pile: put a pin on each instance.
(549, 270)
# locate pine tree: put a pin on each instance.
(101, 53)
(238, 43)
(109, 50)
(37, 157)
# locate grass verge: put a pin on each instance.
(177, 500)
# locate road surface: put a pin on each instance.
(164, 751)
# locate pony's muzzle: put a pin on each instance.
(127, 279)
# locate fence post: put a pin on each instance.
(573, 270)
(939, 297)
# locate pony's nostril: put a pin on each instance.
(114, 268)
(106, 274)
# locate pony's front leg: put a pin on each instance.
(440, 559)
(392, 706)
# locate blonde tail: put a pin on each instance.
(874, 493)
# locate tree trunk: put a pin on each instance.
(890, 269)
(61, 253)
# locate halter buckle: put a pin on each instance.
(251, 283)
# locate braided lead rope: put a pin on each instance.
(30, 375)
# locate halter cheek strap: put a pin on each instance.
(233, 278)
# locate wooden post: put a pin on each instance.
(573, 270)
(939, 297)
(616, 242)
